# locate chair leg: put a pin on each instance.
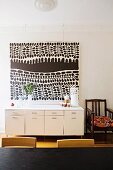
(106, 136)
(86, 128)
(92, 132)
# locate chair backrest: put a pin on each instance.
(19, 142)
(65, 143)
(96, 105)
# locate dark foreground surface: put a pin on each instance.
(99, 158)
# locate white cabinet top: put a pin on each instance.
(46, 107)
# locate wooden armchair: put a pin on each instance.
(98, 116)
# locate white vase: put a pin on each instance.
(29, 97)
(74, 96)
(29, 100)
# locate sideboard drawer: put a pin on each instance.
(35, 112)
(14, 112)
(54, 113)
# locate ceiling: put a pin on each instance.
(17, 12)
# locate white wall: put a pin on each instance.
(92, 26)
(67, 12)
(96, 58)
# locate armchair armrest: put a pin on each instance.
(89, 112)
(109, 110)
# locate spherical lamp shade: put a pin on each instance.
(45, 5)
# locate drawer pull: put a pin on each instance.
(34, 118)
(73, 117)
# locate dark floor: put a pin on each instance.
(100, 138)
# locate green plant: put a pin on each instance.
(29, 88)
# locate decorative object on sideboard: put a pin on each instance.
(29, 88)
(66, 98)
(74, 96)
(12, 104)
(66, 102)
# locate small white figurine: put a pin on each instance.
(66, 99)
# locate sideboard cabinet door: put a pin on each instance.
(34, 122)
(14, 123)
(54, 122)
(74, 123)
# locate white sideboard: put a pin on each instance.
(51, 120)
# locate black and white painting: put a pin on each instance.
(52, 66)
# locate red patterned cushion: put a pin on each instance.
(111, 123)
(102, 121)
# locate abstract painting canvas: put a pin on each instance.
(52, 66)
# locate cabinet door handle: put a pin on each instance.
(14, 117)
(54, 118)
(54, 112)
(15, 112)
(34, 112)
(74, 113)
(34, 118)
(73, 117)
